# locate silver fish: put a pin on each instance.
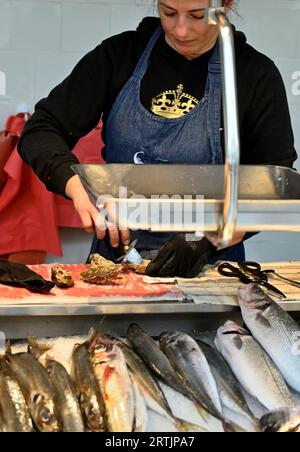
(115, 383)
(191, 365)
(151, 387)
(229, 388)
(274, 329)
(140, 407)
(66, 399)
(88, 390)
(252, 367)
(155, 359)
(15, 417)
(38, 391)
(281, 421)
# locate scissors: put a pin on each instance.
(250, 272)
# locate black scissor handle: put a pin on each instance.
(230, 271)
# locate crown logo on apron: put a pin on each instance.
(173, 103)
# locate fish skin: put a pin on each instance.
(88, 390)
(274, 329)
(66, 399)
(155, 359)
(253, 368)
(37, 390)
(150, 386)
(281, 421)
(186, 356)
(229, 388)
(114, 381)
(15, 417)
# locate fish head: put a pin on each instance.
(283, 420)
(103, 348)
(168, 339)
(251, 296)
(228, 335)
(43, 413)
(90, 411)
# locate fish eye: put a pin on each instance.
(46, 417)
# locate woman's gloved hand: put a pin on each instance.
(180, 258)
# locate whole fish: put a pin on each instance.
(191, 365)
(151, 387)
(274, 329)
(155, 359)
(88, 390)
(66, 399)
(38, 391)
(252, 367)
(281, 421)
(115, 382)
(228, 387)
(15, 417)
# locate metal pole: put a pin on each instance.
(216, 16)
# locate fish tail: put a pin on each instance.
(35, 348)
(185, 426)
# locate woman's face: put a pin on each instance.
(185, 27)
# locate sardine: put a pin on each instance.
(114, 381)
(281, 421)
(15, 417)
(38, 391)
(191, 365)
(152, 388)
(66, 399)
(88, 390)
(252, 367)
(274, 329)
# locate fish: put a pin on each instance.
(281, 421)
(191, 365)
(150, 387)
(114, 381)
(230, 392)
(45, 352)
(155, 359)
(252, 367)
(15, 417)
(88, 390)
(274, 329)
(66, 398)
(38, 391)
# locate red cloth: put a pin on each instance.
(87, 150)
(27, 212)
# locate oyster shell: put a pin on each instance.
(62, 278)
(103, 272)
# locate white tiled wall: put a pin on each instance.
(41, 40)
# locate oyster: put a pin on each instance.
(139, 268)
(62, 278)
(103, 272)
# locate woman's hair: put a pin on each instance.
(233, 8)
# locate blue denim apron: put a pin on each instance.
(134, 135)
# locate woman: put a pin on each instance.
(158, 90)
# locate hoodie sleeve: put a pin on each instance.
(268, 136)
(70, 111)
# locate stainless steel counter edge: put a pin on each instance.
(121, 308)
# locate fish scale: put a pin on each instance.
(274, 329)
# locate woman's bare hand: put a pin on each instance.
(91, 218)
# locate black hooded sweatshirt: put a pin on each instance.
(75, 106)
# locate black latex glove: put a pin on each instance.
(18, 275)
(180, 258)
